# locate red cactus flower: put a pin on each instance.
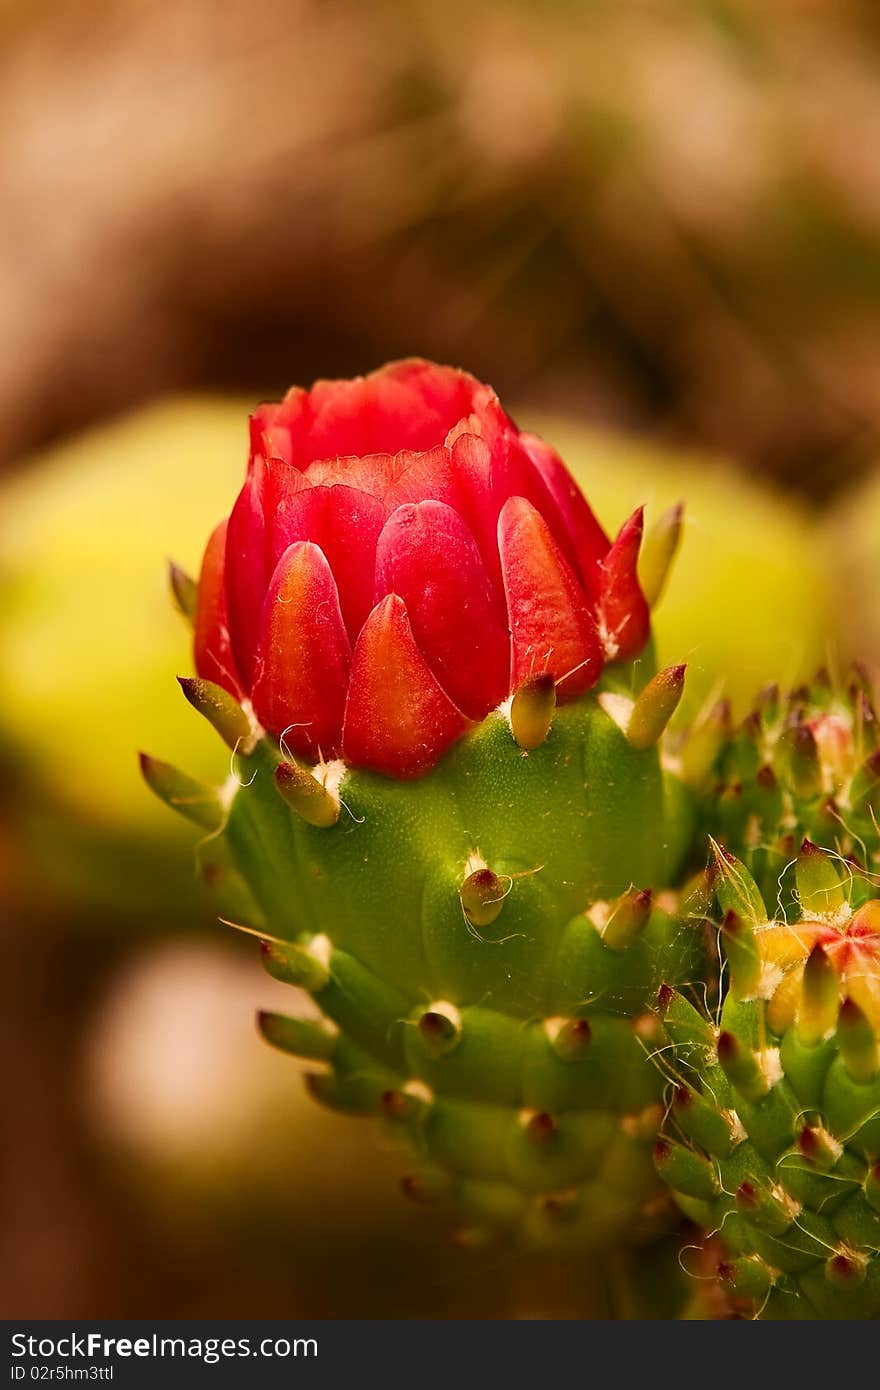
(400, 558)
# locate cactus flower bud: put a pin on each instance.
(400, 559)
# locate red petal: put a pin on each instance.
(277, 427)
(590, 542)
(518, 476)
(212, 647)
(421, 478)
(408, 405)
(472, 462)
(552, 627)
(493, 464)
(392, 478)
(246, 570)
(343, 521)
(624, 617)
(352, 522)
(371, 474)
(397, 719)
(302, 667)
(288, 500)
(427, 556)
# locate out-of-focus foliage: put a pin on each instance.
(666, 212)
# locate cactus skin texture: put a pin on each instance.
(476, 948)
(773, 1132)
(805, 764)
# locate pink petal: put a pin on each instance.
(304, 654)
(398, 720)
(552, 627)
(428, 557)
(246, 570)
(624, 617)
(211, 644)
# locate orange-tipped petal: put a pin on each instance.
(304, 655)
(211, 644)
(494, 463)
(588, 539)
(518, 475)
(427, 556)
(624, 617)
(552, 626)
(398, 719)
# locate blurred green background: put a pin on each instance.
(654, 227)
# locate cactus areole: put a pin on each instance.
(447, 816)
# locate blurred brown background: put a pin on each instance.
(667, 213)
(661, 219)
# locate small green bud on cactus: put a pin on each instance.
(184, 590)
(532, 708)
(221, 710)
(654, 707)
(307, 795)
(658, 552)
(195, 800)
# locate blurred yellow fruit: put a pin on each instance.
(90, 640)
(90, 644)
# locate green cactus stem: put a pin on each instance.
(483, 947)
